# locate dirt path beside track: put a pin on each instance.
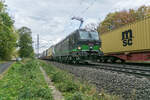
(56, 94)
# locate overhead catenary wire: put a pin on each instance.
(80, 13)
(87, 8)
(72, 14)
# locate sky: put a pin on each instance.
(51, 19)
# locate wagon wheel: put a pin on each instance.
(119, 61)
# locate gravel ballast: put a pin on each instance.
(120, 84)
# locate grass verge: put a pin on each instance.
(24, 81)
(72, 88)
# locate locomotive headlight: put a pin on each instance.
(79, 47)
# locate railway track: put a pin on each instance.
(137, 70)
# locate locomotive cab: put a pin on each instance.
(89, 39)
(85, 44)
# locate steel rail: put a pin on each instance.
(125, 68)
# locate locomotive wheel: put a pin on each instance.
(77, 62)
(100, 60)
(70, 60)
(73, 61)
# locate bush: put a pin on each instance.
(76, 96)
(68, 86)
(57, 77)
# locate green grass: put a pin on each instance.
(24, 81)
(72, 88)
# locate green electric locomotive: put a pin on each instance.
(79, 46)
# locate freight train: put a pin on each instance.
(129, 43)
(79, 46)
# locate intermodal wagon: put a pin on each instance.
(130, 42)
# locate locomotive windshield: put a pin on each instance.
(89, 35)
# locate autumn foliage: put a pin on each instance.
(118, 19)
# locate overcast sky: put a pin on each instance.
(51, 19)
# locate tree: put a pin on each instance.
(118, 19)
(25, 43)
(8, 34)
